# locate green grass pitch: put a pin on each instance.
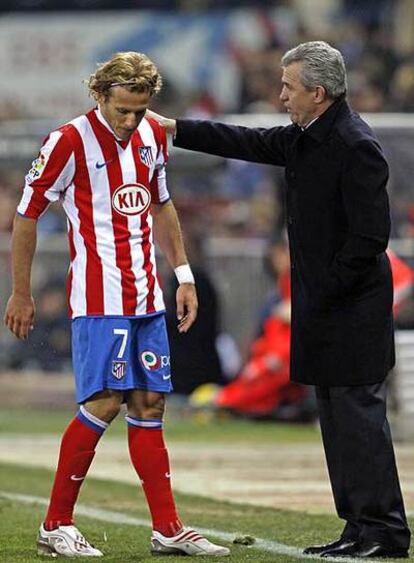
(129, 543)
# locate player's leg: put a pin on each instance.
(58, 534)
(148, 452)
(77, 451)
(92, 361)
(150, 457)
(151, 461)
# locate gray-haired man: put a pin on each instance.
(342, 328)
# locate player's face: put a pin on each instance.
(299, 101)
(124, 110)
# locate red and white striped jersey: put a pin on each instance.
(106, 187)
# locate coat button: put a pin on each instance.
(290, 220)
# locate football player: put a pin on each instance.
(107, 168)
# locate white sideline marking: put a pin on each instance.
(120, 518)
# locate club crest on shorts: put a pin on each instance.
(145, 155)
(119, 369)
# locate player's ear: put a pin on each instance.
(101, 98)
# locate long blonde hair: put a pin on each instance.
(134, 71)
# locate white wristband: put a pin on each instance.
(184, 274)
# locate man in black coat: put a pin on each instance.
(342, 327)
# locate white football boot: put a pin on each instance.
(65, 540)
(186, 542)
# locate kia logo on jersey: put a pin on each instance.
(131, 199)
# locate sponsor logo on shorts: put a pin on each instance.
(152, 361)
(119, 369)
(131, 199)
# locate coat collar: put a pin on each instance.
(320, 129)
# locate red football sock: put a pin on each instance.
(149, 456)
(76, 454)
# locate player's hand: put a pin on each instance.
(170, 125)
(187, 305)
(19, 315)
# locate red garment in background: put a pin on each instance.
(403, 279)
(263, 383)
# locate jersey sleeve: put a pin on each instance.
(51, 173)
(158, 184)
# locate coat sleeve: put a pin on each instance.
(267, 146)
(366, 207)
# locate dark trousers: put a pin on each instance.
(361, 463)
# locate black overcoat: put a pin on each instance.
(338, 227)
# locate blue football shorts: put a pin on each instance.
(120, 353)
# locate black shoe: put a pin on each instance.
(340, 543)
(368, 550)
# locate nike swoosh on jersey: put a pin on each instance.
(74, 478)
(166, 376)
(100, 165)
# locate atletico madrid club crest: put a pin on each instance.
(145, 154)
(119, 369)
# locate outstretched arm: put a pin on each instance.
(266, 146)
(168, 235)
(20, 308)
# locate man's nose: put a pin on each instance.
(283, 97)
(130, 120)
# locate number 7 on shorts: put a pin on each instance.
(124, 333)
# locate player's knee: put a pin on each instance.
(109, 411)
(155, 411)
(105, 408)
(152, 408)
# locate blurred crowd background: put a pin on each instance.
(216, 58)
(219, 59)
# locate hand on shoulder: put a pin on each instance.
(168, 124)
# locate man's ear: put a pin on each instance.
(320, 94)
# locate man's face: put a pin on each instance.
(300, 103)
(124, 110)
